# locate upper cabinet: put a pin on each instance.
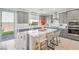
(22, 17)
(73, 15)
(63, 17)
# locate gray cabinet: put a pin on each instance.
(64, 32)
(73, 15)
(22, 17)
(63, 17)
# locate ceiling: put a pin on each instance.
(44, 10)
(48, 10)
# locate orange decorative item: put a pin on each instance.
(43, 22)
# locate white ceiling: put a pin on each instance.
(44, 10)
(48, 10)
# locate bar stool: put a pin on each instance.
(56, 38)
(50, 36)
(43, 42)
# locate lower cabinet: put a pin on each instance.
(21, 42)
(64, 33)
(73, 37)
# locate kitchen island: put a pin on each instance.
(36, 36)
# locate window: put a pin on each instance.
(0, 25)
(7, 31)
(7, 21)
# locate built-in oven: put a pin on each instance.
(73, 23)
(73, 28)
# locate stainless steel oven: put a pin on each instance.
(73, 23)
(73, 28)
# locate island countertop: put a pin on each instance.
(37, 32)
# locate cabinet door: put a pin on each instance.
(22, 41)
(76, 14)
(63, 17)
(70, 15)
(22, 17)
(26, 17)
(73, 15)
(64, 33)
(19, 41)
